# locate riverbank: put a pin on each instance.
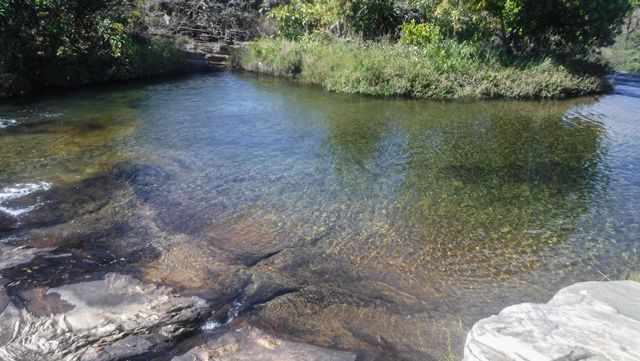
(47, 47)
(142, 61)
(441, 71)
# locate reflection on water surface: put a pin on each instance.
(381, 225)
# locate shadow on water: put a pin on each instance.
(380, 225)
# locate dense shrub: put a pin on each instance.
(371, 18)
(522, 26)
(301, 17)
(276, 57)
(420, 34)
(575, 26)
(58, 42)
(368, 18)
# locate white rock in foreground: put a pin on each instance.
(111, 319)
(591, 321)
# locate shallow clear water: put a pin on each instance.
(386, 226)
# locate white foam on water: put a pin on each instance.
(211, 325)
(7, 122)
(16, 212)
(231, 315)
(22, 189)
(17, 191)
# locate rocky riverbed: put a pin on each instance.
(226, 215)
(117, 317)
(74, 288)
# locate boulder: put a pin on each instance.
(250, 344)
(109, 319)
(592, 321)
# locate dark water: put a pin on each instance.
(380, 225)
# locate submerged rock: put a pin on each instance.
(7, 222)
(598, 321)
(15, 256)
(250, 344)
(109, 319)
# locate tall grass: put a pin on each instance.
(445, 70)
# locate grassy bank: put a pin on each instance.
(447, 70)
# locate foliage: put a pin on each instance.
(300, 17)
(276, 57)
(52, 42)
(35, 32)
(624, 55)
(452, 17)
(575, 26)
(445, 70)
(570, 26)
(370, 18)
(420, 34)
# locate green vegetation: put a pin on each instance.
(420, 48)
(441, 48)
(624, 55)
(443, 70)
(63, 42)
(518, 26)
(573, 26)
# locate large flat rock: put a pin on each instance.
(109, 319)
(251, 344)
(591, 321)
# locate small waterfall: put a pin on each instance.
(625, 83)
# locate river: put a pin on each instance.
(382, 226)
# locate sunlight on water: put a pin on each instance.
(379, 222)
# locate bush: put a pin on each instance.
(35, 34)
(420, 34)
(299, 18)
(280, 57)
(372, 18)
(522, 26)
(69, 42)
(369, 18)
(575, 27)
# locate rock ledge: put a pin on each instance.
(591, 321)
(105, 320)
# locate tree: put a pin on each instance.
(632, 22)
(36, 34)
(570, 25)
